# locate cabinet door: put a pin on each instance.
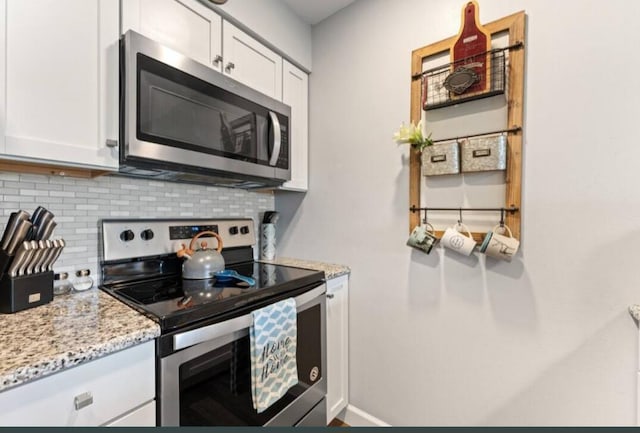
(337, 346)
(90, 394)
(60, 65)
(186, 26)
(144, 416)
(295, 93)
(250, 62)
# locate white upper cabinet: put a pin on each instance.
(250, 62)
(199, 33)
(295, 93)
(187, 26)
(59, 81)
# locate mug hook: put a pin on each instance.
(460, 216)
(424, 220)
(501, 217)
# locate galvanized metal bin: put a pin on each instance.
(487, 153)
(441, 158)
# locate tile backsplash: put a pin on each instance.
(79, 204)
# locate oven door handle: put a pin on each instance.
(211, 332)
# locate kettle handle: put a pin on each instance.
(208, 232)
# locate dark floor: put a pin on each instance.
(338, 423)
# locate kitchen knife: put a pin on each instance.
(18, 236)
(31, 234)
(62, 244)
(36, 215)
(45, 229)
(37, 256)
(48, 259)
(27, 260)
(23, 252)
(39, 267)
(10, 228)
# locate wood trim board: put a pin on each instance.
(514, 25)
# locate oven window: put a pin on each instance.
(215, 388)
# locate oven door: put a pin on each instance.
(208, 383)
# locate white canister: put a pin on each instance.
(456, 240)
(268, 242)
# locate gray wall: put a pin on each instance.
(441, 340)
(79, 204)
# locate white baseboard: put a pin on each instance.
(355, 417)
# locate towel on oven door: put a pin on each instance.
(273, 338)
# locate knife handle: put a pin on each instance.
(56, 254)
(18, 236)
(20, 256)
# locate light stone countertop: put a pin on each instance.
(635, 311)
(66, 332)
(331, 270)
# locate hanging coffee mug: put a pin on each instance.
(497, 245)
(457, 241)
(423, 238)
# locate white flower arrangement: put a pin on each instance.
(412, 134)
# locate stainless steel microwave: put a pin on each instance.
(182, 121)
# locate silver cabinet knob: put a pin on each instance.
(83, 400)
(217, 59)
(229, 67)
(112, 143)
(330, 295)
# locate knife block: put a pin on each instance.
(5, 261)
(26, 291)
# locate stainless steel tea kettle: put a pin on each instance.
(202, 263)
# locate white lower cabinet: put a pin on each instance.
(337, 345)
(59, 82)
(118, 389)
(144, 416)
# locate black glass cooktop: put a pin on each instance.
(174, 302)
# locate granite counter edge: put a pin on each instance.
(29, 373)
(331, 270)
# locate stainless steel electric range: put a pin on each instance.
(203, 360)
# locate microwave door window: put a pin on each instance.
(178, 110)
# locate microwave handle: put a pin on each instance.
(277, 138)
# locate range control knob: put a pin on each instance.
(127, 235)
(147, 234)
(244, 230)
(233, 230)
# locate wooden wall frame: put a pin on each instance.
(515, 26)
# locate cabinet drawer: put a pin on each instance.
(144, 416)
(116, 383)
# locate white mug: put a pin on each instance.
(497, 245)
(457, 241)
